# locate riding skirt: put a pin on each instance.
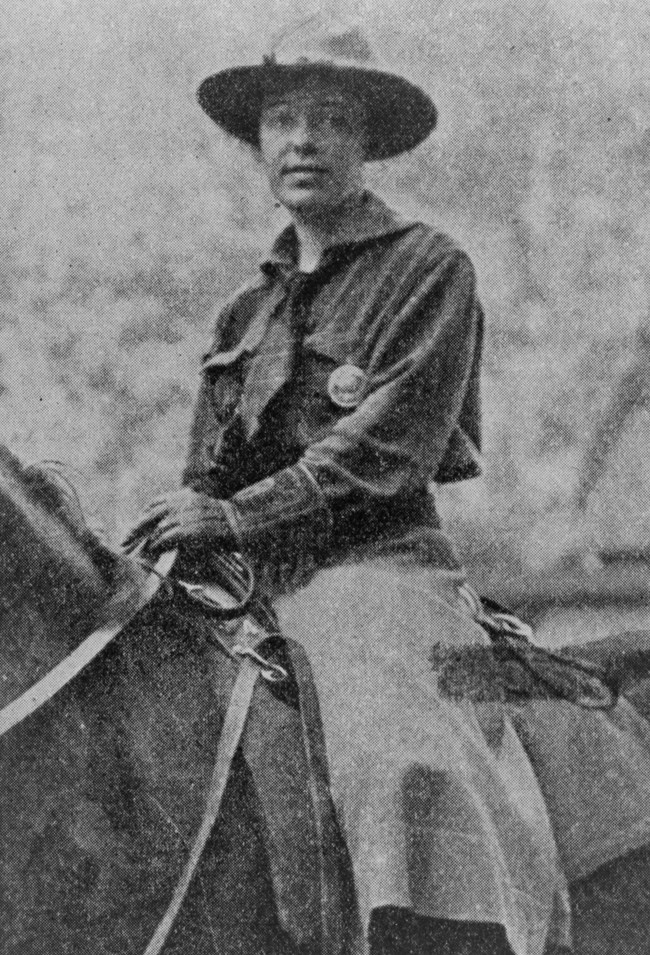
(439, 804)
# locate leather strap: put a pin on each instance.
(62, 674)
(334, 860)
(251, 667)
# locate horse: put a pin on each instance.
(104, 785)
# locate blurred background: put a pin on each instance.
(127, 217)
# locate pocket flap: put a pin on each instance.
(335, 347)
(253, 336)
(222, 359)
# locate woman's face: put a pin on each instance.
(312, 146)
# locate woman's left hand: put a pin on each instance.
(181, 517)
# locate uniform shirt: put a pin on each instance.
(366, 370)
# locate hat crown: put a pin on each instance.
(399, 114)
(316, 42)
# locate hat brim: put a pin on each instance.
(399, 114)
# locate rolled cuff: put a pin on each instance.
(287, 509)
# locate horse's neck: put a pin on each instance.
(31, 647)
(52, 591)
(38, 630)
(44, 568)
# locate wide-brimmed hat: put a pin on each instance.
(399, 115)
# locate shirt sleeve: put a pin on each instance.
(198, 471)
(418, 375)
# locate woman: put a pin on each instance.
(339, 383)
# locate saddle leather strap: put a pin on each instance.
(335, 868)
(252, 665)
(64, 672)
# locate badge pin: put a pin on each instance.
(346, 385)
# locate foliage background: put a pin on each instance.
(127, 217)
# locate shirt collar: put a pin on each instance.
(370, 219)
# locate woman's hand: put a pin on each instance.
(182, 517)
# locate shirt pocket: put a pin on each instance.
(322, 363)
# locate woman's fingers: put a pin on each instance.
(165, 502)
(164, 541)
(176, 518)
(169, 533)
(172, 501)
(145, 525)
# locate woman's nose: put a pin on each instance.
(303, 135)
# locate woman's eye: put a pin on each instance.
(282, 119)
(341, 122)
(286, 119)
(336, 119)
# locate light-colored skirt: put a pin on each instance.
(439, 803)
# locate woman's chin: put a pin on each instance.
(307, 202)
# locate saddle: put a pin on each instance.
(514, 668)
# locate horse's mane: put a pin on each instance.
(50, 509)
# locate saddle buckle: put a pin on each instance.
(271, 672)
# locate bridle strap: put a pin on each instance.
(64, 672)
(250, 637)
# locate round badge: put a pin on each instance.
(345, 386)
